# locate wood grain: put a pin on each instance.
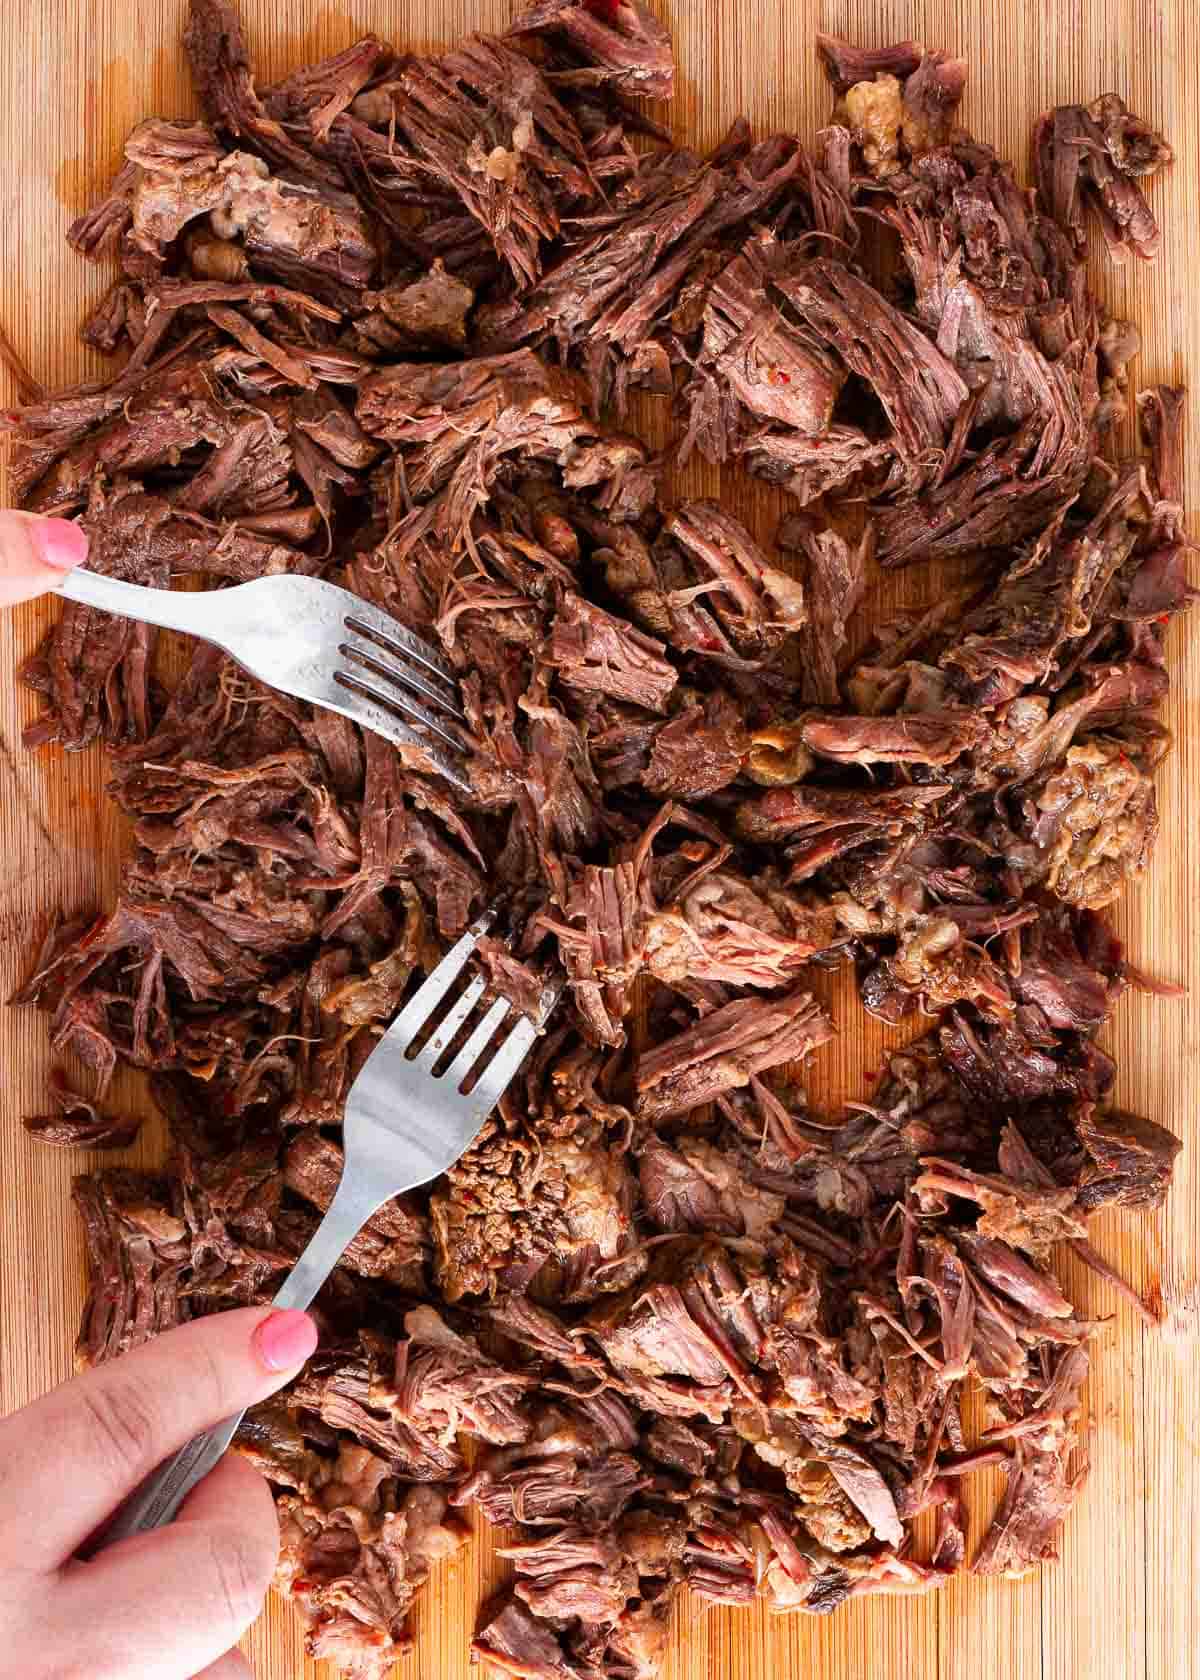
(75, 75)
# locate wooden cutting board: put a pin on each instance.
(75, 76)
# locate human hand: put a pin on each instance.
(157, 1606)
(35, 552)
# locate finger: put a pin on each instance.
(232, 1666)
(166, 1605)
(35, 552)
(67, 1461)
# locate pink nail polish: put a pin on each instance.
(60, 542)
(285, 1340)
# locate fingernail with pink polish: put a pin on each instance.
(285, 1340)
(60, 542)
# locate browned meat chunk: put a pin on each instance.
(724, 1049)
(1093, 155)
(620, 41)
(1132, 1159)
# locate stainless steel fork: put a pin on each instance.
(318, 642)
(407, 1120)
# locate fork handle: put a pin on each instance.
(174, 609)
(345, 1217)
(155, 1502)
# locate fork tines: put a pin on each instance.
(448, 1027)
(410, 677)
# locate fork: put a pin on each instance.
(316, 641)
(407, 1120)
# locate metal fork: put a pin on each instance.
(318, 642)
(406, 1121)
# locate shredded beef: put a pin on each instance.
(620, 43)
(725, 1048)
(78, 1121)
(1093, 155)
(380, 322)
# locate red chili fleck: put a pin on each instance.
(606, 10)
(1163, 618)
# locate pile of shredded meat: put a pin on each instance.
(380, 321)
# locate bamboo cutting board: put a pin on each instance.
(75, 76)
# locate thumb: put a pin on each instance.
(67, 1461)
(35, 552)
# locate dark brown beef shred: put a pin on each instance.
(1131, 1159)
(595, 652)
(484, 124)
(78, 1122)
(617, 41)
(666, 1323)
(139, 1256)
(614, 301)
(1093, 155)
(846, 65)
(835, 577)
(725, 1049)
